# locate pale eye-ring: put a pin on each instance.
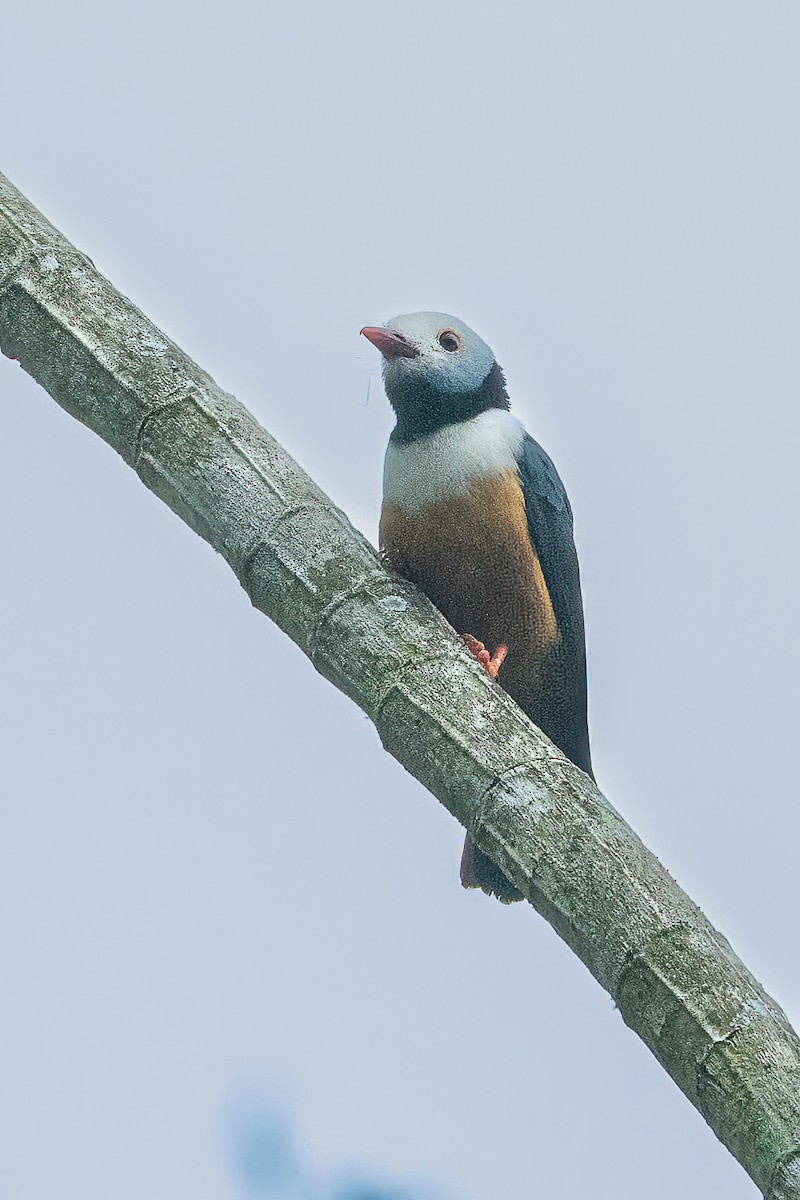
(449, 340)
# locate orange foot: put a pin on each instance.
(492, 663)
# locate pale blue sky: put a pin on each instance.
(210, 873)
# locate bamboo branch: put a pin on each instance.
(674, 978)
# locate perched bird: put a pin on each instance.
(475, 514)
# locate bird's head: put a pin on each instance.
(436, 371)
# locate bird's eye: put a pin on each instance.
(449, 340)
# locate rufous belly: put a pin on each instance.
(473, 557)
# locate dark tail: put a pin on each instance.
(478, 871)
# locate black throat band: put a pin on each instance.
(422, 409)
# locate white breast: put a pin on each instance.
(444, 464)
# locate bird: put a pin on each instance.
(474, 513)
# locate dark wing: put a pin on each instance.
(550, 527)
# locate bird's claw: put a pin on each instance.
(492, 663)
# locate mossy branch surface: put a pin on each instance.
(674, 978)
